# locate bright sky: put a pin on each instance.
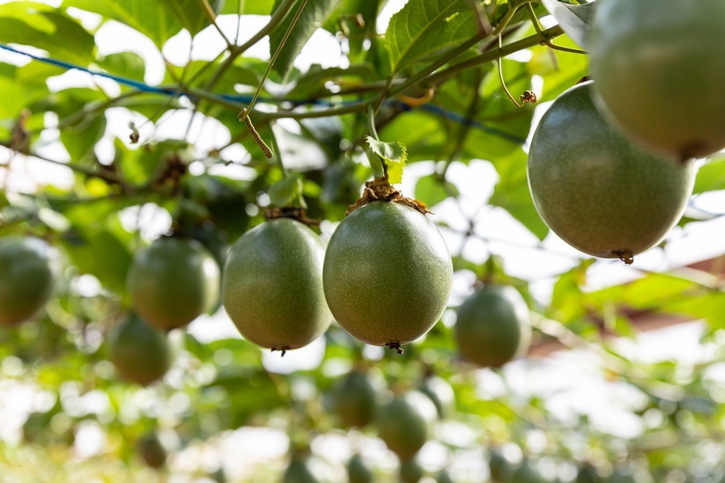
(574, 373)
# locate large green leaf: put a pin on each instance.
(150, 17)
(711, 176)
(61, 36)
(574, 19)
(190, 14)
(101, 254)
(424, 26)
(124, 64)
(250, 7)
(312, 17)
(80, 140)
(512, 193)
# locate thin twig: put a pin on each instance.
(212, 17)
(546, 41)
(246, 112)
(500, 76)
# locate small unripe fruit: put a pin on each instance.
(410, 471)
(173, 281)
(298, 472)
(140, 353)
(26, 278)
(404, 424)
(492, 326)
(358, 471)
(355, 400)
(151, 450)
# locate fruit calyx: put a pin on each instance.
(296, 213)
(379, 189)
(625, 255)
(283, 350)
(395, 345)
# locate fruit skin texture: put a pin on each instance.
(411, 471)
(358, 471)
(173, 281)
(492, 327)
(298, 472)
(26, 278)
(151, 450)
(387, 274)
(595, 189)
(272, 285)
(404, 423)
(658, 70)
(140, 353)
(355, 400)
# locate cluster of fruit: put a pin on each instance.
(610, 166)
(279, 280)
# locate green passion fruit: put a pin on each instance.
(387, 274)
(404, 423)
(272, 285)
(140, 353)
(173, 281)
(355, 400)
(151, 450)
(492, 326)
(26, 278)
(358, 471)
(411, 471)
(658, 70)
(594, 188)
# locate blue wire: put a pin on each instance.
(453, 116)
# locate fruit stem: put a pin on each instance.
(546, 41)
(378, 166)
(500, 76)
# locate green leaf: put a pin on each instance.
(190, 14)
(368, 10)
(312, 17)
(431, 190)
(424, 26)
(574, 19)
(251, 7)
(124, 64)
(101, 254)
(394, 155)
(150, 17)
(710, 177)
(285, 191)
(512, 193)
(66, 40)
(80, 140)
(560, 76)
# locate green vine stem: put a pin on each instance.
(376, 163)
(246, 112)
(546, 41)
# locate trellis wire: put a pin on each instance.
(453, 116)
